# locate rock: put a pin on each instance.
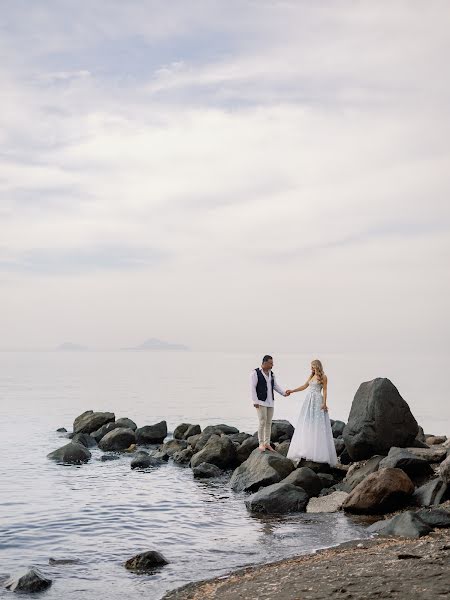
(85, 439)
(72, 454)
(31, 581)
(430, 454)
(281, 428)
(201, 441)
(180, 430)
(90, 421)
(338, 428)
(259, 470)
(431, 493)
(206, 470)
(281, 448)
(337, 487)
(193, 439)
(161, 455)
(132, 448)
(432, 440)
(127, 423)
(344, 457)
(406, 524)
(359, 471)
(444, 470)
(306, 479)
(239, 437)
(146, 561)
(117, 439)
(183, 457)
(330, 503)
(218, 429)
(382, 491)
(435, 517)
(192, 430)
(339, 445)
(143, 460)
(315, 466)
(172, 446)
(219, 451)
(418, 444)
(108, 457)
(326, 479)
(151, 434)
(63, 561)
(246, 448)
(420, 435)
(103, 430)
(379, 419)
(278, 498)
(400, 458)
(62, 430)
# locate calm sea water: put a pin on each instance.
(103, 513)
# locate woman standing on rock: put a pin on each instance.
(313, 438)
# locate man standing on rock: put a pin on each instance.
(263, 384)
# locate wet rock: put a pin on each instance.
(382, 491)
(379, 419)
(326, 479)
(193, 439)
(103, 430)
(400, 458)
(90, 421)
(315, 466)
(337, 428)
(161, 455)
(143, 460)
(172, 446)
(219, 451)
(31, 581)
(278, 498)
(281, 429)
(61, 430)
(108, 457)
(305, 478)
(201, 441)
(218, 429)
(180, 430)
(152, 434)
(117, 439)
(72, 453)
(435, 517)
(239, 437)
(146, 561)
(192, 430)
(431, 493)
(85, 439)
(63, 561)
(406, 524)
(444, 470)
(206, 471)
(330, 503)
(246, 448)
(127, 423)
(431, 454)
(282, 448)
(260, 469)
(339, 445)
(432, 440)
(359, 471)
(183, 457)
(337, 487)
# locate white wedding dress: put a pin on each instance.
(313, 438)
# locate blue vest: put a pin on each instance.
(261, 386)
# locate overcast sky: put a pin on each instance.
(232, 175)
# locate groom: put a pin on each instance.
(263, 384)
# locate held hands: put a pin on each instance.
(288, 392)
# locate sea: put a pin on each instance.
(102, 513)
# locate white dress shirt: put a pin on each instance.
(268, 378)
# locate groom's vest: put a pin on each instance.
(261, 386)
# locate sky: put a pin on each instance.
(235, 176)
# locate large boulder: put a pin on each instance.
(382, 491)
(434, 517)
(283, 447)
(406, 524)
(146, 561)
(206, 471)
(444, 470)
(306, 479)
(432, 454)
(180, 430)
(278, 498)
(238, 438)
(143, 460)
(103, 430)
(246, 448)
(198, 442)
(327, 504)
(172, 446)
(128, 423)
(337, 428)
(219, 451)
(151, 434)
(400, 458)
(192, 430)
(218, 429)
(31, 581)
(281, 429)
(71, 454)
(359, 471)
(317, 467)
(431, 493)
(259, 470)
(85, 439)
(379, 419)
(117, 439)
(90, 421)
(183, 457)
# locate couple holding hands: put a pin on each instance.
(313, 438)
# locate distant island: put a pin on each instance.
(155, 344)
(69, 347)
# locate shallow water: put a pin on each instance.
(102, 513)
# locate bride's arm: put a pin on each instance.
(324, 388)
(301, 388)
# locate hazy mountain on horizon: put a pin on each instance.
(155, 344)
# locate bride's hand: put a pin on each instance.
(324, 407)
(288, 392)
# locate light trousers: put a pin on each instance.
(265, 414)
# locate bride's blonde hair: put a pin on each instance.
(317, 370)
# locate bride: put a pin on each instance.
(313, 438)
